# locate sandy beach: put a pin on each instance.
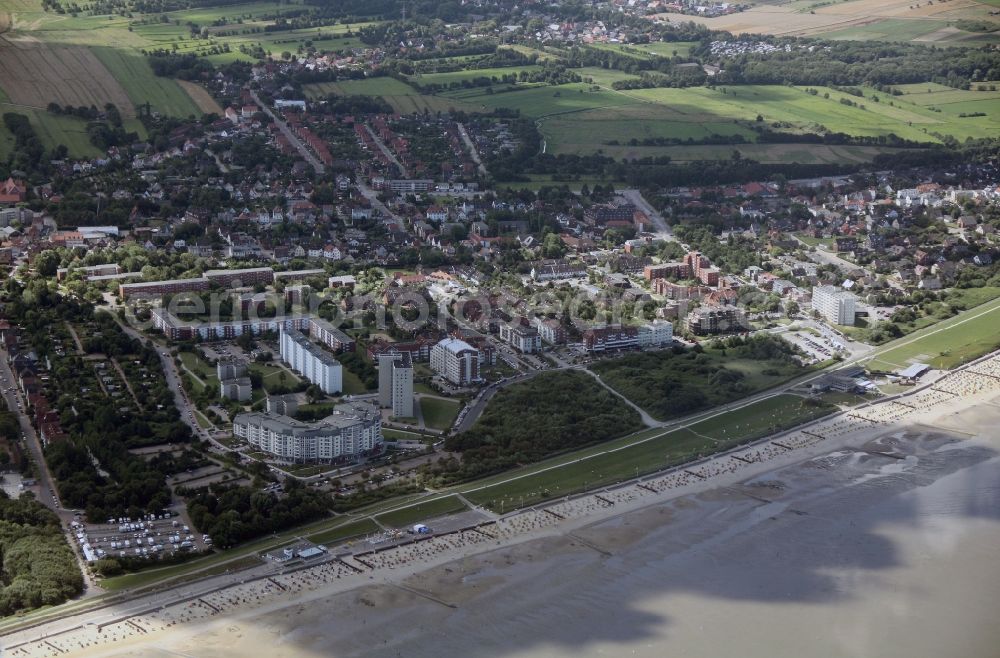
(883, 539)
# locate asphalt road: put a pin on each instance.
(292, 137)
(48, 495)
(662, 230)
(472, 150)
(172, 376)
(32, 440)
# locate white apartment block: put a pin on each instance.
(456, 361)
(395, 383)
(655, 334)
(521, 336)
(238, 388)
(834, 304)
(353, 431)
(316, 365)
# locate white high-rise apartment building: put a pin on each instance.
(315, 364)
(834, 304)
(456, 361)
(655, 334)
(395, 383)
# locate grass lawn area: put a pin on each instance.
(845, 399)
(645, 452)
(142, 578)
(972, 297)
(274, 377)
(405, 435)
(768, 416)
(603, 77)
(947, 344)
(307, 470)
(352, 383)
(652, 451)
(439, 413)
(196, 364)
(814, 241)
(199, 367)
(422, 511)
(203, 422)
(345, 532)
(420, 387)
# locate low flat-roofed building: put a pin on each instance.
(244, 277)
(160, 288)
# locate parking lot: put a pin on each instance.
(146, 538)
(13, 485)
(819, 348)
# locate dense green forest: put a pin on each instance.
(231, 515)
(551, 413)
(38, 565)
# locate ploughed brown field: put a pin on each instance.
(201, 97)
(34, 74)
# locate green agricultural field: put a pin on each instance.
(383, 86)
(439, 413)
(527, 50)
(133, 72)
(667, 48)
(648, 50)
(545, 100)
(814, 112)
(470, 74)
(947, 344)
(765, 153)
(603, 77)
(621, 49)
(544, 180)
(178, 38)
(420, 511)
(403, 98)
(246, 11)
(575, 119)
(590, 130)
(890, 29)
